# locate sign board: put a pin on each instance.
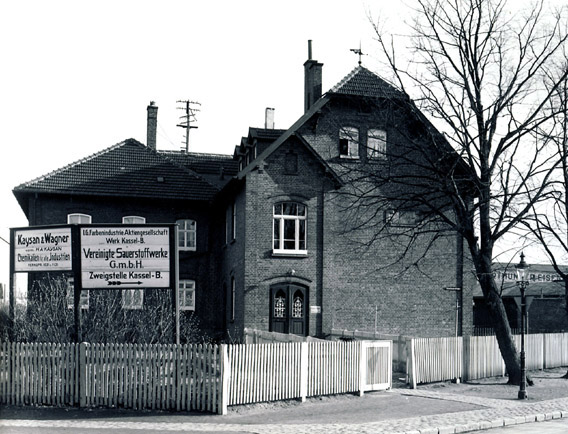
(540, 276)
(125, 257)
(45, 249)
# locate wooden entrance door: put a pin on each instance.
(288, 309)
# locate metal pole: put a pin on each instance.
(523, 387)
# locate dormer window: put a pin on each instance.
(349, 142)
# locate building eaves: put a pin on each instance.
(127, 169)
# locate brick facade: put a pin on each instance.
(338, 280)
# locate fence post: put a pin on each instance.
(465, 357)
(82, 366)
(362, 367)
(412, 364)
(303, 370)
(225, 376)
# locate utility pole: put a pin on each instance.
(189, 116)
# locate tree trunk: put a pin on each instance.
(484, 270)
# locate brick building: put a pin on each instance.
(272, 239)
(546, 300)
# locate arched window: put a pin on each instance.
(187, 233)
(298, 305)
(280, 304)
(77, 218)
(289, 228)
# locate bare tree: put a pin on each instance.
(48, 316)
(549, 223)
(478, 72)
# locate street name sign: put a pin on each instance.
(125, 257)
(42, 249)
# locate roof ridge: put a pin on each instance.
(78, 162)
(199, 154)
(348, 77)
(186, 169)
(387, 86)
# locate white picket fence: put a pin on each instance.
(188, 377)
(474, 357)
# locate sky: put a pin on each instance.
(77, 76)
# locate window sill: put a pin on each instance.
(349, 157)
(290, 253)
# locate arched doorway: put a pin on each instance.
(289, 309)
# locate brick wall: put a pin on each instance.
(50, 209)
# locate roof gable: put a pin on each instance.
(362, 82)
(127, 169)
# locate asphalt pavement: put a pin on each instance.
(399, 410)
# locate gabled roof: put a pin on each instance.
(362, 82)
(292, 131)
(127, 169)
(359, 82)
(214, 168)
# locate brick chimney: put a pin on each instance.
(152, 125)
(269, 118)
(312, 79)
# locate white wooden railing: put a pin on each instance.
(474, 357)
(188, 377)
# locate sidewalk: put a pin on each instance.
(435, 408)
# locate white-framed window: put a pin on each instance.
(349, 142)
(289, 228)
(133, 219)
(132, 298)
(186, 294)
(78, 218)
(401, 218)
(376, 144)
(187, 234)
(70, 295)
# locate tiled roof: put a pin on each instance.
(217, 169)
(362, 82)
(265, 134)
(127, 169)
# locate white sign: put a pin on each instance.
(511, 276)
(125, 257)
(47, 249)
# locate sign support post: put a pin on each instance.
(176, 286)
(12, 292)
(77, 283)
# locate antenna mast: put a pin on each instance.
(185, 120)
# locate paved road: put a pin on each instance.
(396, 411)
